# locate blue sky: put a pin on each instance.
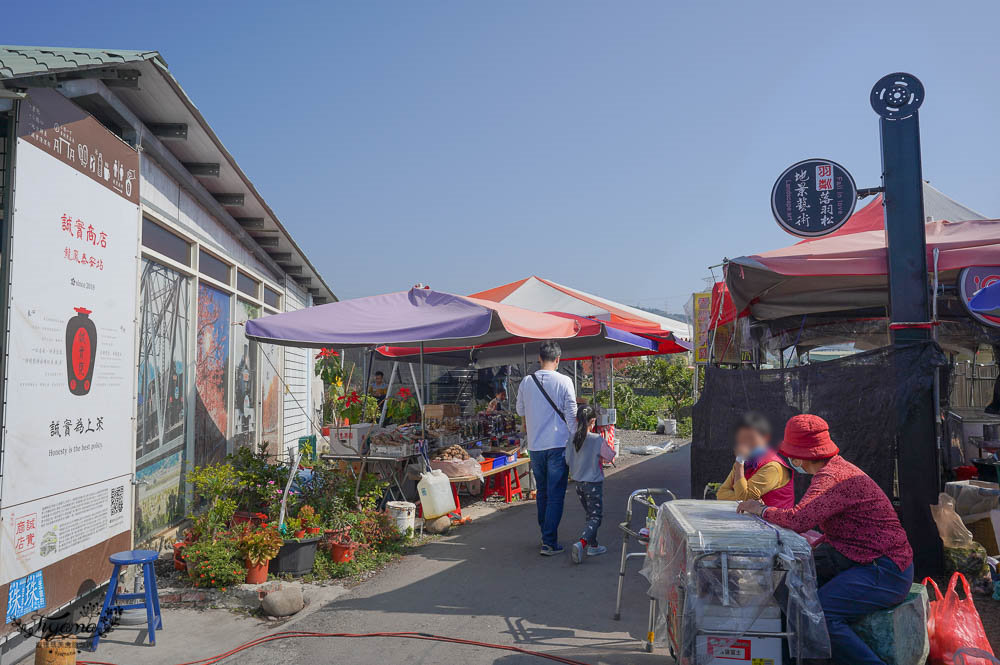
(618, 147)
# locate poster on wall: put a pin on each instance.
(161, 430)
(211, 376)
(70, 374)
(272, 398)
(245, 382)
(702, 306)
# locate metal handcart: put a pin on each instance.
(645, 498)
(734, 587)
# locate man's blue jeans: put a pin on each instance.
(854, 593)
(551, 474)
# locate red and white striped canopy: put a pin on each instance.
(542, 295)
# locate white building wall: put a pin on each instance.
(165, 197)
(162, 193)
(298, 372)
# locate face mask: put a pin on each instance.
(798, 469)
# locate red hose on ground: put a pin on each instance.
(211, 660)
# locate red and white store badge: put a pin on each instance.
(723, 648)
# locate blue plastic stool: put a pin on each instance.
(151, 602)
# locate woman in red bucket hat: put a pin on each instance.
(865, 563)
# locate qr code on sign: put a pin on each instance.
(117, 499)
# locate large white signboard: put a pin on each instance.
(70, 378)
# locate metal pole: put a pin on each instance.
(388, 391)
(611, 371)
(896, 98)
(423, 383)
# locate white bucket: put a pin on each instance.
(404, 513)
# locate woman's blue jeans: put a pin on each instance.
(551, 475)
(854, 593)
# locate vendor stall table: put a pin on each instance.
(503, 480)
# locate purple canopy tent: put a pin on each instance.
(418, 316)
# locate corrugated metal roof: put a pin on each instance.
(18, 61)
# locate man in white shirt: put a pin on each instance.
(547, 401)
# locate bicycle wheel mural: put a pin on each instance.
(161, 430)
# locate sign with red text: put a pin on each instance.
(71, 368)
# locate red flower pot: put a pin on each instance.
(313, 530)
(179, 563)
(301, 533)
(256, 574)
(342, 552)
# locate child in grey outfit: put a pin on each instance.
(584, 456)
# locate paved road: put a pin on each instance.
(488, 583)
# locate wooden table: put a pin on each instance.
(495, 481)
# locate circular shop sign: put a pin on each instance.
(970, 281)
(813, 198)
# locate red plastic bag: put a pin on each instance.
(954, 623)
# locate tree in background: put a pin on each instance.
(668, 377)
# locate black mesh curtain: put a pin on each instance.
(857, 395)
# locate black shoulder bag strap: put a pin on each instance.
(547, 398)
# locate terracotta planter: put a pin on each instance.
(256, 574)
(179, 563)
(301, 533)
(313, 530)
(342, 552)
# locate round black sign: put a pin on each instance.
(813, 198)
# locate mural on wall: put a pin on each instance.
(272, 398)
(161, 430)
(212, 376)
(245, 381)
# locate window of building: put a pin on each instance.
(272, 298)
(212, 267)
(247, 284)
(169, 244)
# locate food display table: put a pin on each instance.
(503, 481)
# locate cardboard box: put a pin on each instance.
(348, 440)
(441, 411)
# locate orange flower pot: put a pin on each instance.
(343, 552)
(300, 533)
(313, 530)
(256, 574)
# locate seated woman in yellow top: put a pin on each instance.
(759, 472)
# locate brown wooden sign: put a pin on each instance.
(64, 130)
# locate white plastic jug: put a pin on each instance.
(434, 490)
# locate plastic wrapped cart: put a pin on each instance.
(732, 587)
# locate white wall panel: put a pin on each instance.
(298, 370)
(164, 195)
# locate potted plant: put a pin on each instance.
(293, 525)
(297, 555)
(258, 546)
(343, 551)
(214, 563)
(310, 520)
(402, 407)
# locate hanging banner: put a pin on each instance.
(602, 372)
(70, 370)
(701, 304)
